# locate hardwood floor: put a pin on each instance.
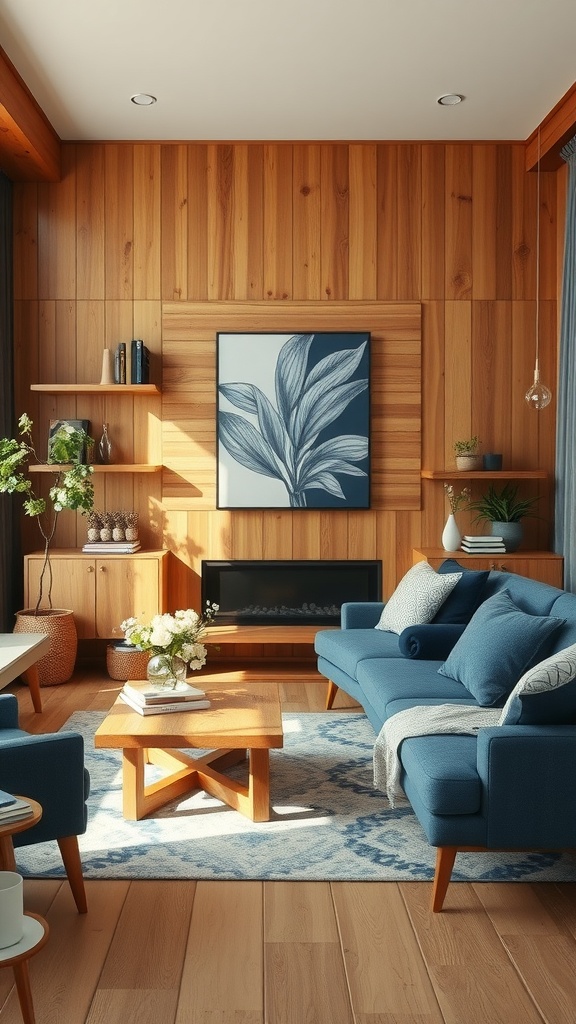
(291, 952)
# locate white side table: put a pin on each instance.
(17, 956)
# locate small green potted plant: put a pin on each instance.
(504, 510)
(468, 454)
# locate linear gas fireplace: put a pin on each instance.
(289, 593)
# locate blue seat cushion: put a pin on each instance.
(347, 647)
(499, 643)
(403, 679)
(463, 601)
(442, 768)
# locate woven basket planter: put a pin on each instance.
(126, 663)
(58, 623)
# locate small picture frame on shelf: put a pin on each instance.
(55, 426)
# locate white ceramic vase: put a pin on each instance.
(451, 536)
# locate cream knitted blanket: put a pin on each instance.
(422, 721)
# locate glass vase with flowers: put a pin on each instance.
(175, 642)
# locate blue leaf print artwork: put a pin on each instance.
(293, 420)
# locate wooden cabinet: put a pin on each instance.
(102, 591)
(536, 565)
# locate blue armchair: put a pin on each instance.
(48, 768)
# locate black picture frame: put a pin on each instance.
(293, 420)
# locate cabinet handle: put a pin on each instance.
(492, 565)
(101, 568)
(90, 568)
(503, 568)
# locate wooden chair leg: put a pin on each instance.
(22, 979)
(445, 857)
(71, 857)
(330, 695)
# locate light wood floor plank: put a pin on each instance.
(130, 1006)
(305, 981)
(222, 979)
(386, 974)
(474, 979)
(159, 915)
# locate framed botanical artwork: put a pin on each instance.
(293, 426)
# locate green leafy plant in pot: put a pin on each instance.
(467, 454)
(72, 489)
(504, 510)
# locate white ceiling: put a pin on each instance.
(293, 69)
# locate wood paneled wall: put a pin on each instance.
(131, 227)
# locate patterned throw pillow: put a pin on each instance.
(417, 598)
(542, 696)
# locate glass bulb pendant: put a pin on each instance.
(538, 396)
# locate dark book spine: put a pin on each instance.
(140, 362)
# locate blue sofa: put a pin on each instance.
(510, 786)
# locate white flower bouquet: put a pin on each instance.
(178, 635)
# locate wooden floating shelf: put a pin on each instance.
(143, 467)
(97, 389)
(484, 474)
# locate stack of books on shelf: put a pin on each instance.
(113, 547)
(483, 545)
(146, 701)
(12, 808)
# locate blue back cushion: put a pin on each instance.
(497, 646)
(461, 604)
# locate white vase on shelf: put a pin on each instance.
(451, 536)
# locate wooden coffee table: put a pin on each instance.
(244, 721)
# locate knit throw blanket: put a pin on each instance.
(422, 721)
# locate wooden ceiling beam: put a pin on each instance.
(30, 149)
(557, 128)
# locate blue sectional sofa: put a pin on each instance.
(511, 786)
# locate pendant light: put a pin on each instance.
(538, 396)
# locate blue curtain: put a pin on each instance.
(10, 558)
(565, 512)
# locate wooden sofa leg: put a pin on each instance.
(71, 857)
(445, 857)
(330, 695)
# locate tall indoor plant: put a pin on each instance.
(72, 489)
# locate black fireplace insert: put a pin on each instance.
(287, 592)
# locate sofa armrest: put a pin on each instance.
(8, 711)
(527, 772)
(429, 642)
(361, 614)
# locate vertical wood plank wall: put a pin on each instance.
(131, 227)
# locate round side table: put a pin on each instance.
(17, 956)
(10, 828)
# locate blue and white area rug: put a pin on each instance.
(329, 823)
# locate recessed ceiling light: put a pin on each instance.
(450, 100)
(143, 99)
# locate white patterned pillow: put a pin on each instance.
(417, 597)
(544, 678)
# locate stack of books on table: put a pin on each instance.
(146, 701)
(12, 809)
(113, 547)
(483, 545)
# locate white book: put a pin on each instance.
(144, 694)
(483, 540)
(484, 551)
(114, 548)
(164, 709)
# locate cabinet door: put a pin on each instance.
(73, 586)
(124, 587)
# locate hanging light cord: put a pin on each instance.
(537, 367)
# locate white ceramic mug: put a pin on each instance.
(11, 908)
